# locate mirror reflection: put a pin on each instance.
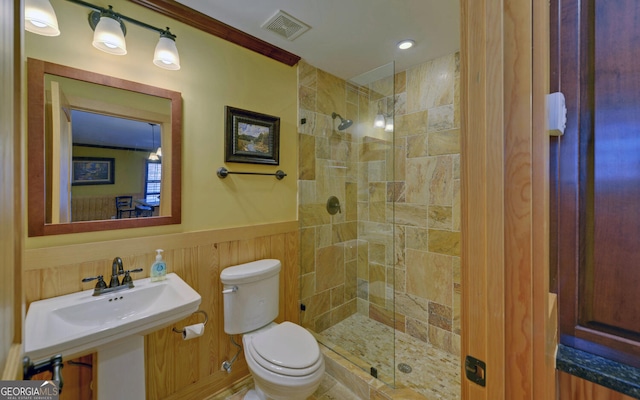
(132, 148)
(104, 151)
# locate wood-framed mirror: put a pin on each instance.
(77, 170)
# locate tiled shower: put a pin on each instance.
(392, 252)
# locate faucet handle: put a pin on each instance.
(127, 276)
(101, 284)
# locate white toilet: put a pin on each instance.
(284, 359)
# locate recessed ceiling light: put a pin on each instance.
(406, 44)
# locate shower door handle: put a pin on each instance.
(476, 370)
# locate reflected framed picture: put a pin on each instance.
(93, 171)
(251, 137)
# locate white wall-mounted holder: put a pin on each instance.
(556, 114)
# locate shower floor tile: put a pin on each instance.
(435, 374)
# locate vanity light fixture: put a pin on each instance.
(384, 121)
(109, 30)
(406, 44)
(40, 18)
(388, 127)
(379, 121)
(166, 54)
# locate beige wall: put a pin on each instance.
(129, 168)
(351, 262)
(224, 222)
(214, 73)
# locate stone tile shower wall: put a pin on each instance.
(352, 261)
(427, 207)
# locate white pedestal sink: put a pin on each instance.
(113, 325)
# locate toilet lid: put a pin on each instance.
(287, 345)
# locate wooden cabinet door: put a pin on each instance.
(598, 177)
(613, 265)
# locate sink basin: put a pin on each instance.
(80, 323)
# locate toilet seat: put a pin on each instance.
(280, 370)
(285, 349)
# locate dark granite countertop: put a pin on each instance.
(619, 377)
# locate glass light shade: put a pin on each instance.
(389, 125)
(40, 18)
(166, 55)
(109, 37)
(379, 121)
(159, 152)
(153, 157)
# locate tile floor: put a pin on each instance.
(435, 374)
(329, 389)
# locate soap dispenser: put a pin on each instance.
(158, 268)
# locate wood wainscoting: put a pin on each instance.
(93, 208)
(96, 208)
(177, 369)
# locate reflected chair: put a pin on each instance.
(124, 206)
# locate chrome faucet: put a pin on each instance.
(117, 268)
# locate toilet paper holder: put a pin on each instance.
(206, 319)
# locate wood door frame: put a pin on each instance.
(12, 193)
(506, 318)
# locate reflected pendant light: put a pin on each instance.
(108, 35)
(40, 18)
(153, 156)
(166, 54)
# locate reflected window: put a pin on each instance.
(152, 181)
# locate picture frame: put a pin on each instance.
(93, 171)
(251, 137)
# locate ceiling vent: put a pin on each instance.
(285, 25)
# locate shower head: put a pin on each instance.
(344, 123)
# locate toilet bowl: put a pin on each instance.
(285, 362)
(284, 359)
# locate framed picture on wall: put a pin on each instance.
(93, 171)
(251, 137)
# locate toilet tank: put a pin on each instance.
(250, 295)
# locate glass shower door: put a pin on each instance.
(346, 213)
